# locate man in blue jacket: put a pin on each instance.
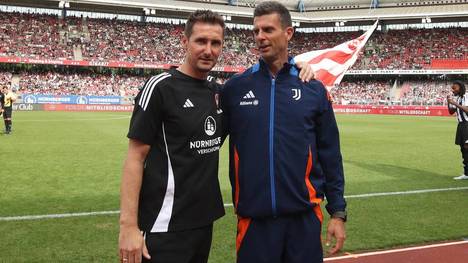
(284, 153)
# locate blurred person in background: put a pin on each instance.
(459, 105)
(1, 101)
(9, 97)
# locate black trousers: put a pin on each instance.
(7, 112)
(189, 246)
(464, 153)
(461, 138)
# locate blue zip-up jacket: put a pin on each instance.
(283, 143)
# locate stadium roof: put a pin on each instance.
(321, 13)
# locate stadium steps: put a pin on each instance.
(405, 88)
(77, 53)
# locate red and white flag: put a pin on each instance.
(330, 64)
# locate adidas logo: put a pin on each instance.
(249, 95)
(188, 104)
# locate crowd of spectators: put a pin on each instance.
(371, 92)
(425, 92)
(133, 41)
(50, 37)
(91, 84)
(362, 92)
(413, 49)
(45, 36)
(5, 77)
(32, 36)
(350, 91)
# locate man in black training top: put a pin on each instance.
(170, 190)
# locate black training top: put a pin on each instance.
(179, 117)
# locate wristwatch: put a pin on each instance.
(343, 215)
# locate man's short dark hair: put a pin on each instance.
(272, 7)
(461, 85)
(202, 16)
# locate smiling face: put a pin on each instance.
(271, 37)
(203, 47)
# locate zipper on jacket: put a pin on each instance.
(271, 133)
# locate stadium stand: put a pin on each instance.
(349, 92)
(415, 49)
(53, 83)
(36, 36)
(46, 36)
(74, 83)
(371, 92)
(5, 77)
(32, 35)
(362, 92)
(425, 92)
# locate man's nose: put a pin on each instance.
(208, 49)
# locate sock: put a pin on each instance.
(6, 124)
(9, 125)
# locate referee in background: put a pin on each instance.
(459, 104)
(1, 101)
(7, 108)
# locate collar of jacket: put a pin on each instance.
(289, 67)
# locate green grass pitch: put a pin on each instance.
(58, 162)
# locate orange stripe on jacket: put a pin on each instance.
(242, 226)
(312, 193)
(236, 174)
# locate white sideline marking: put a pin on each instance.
(408, 192)
(36, 217)
(395, 251)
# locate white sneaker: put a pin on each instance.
(461, 177)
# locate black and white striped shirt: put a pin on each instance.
(461, 115)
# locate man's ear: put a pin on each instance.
(185, 41)
(289, 32)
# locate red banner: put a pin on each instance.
(83, 107)
(446, 63)
(392, 110)
(110, 64)
(340, 109)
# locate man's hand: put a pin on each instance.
(306, 74)
(131, 245)
(450, 101)
(336, 229)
